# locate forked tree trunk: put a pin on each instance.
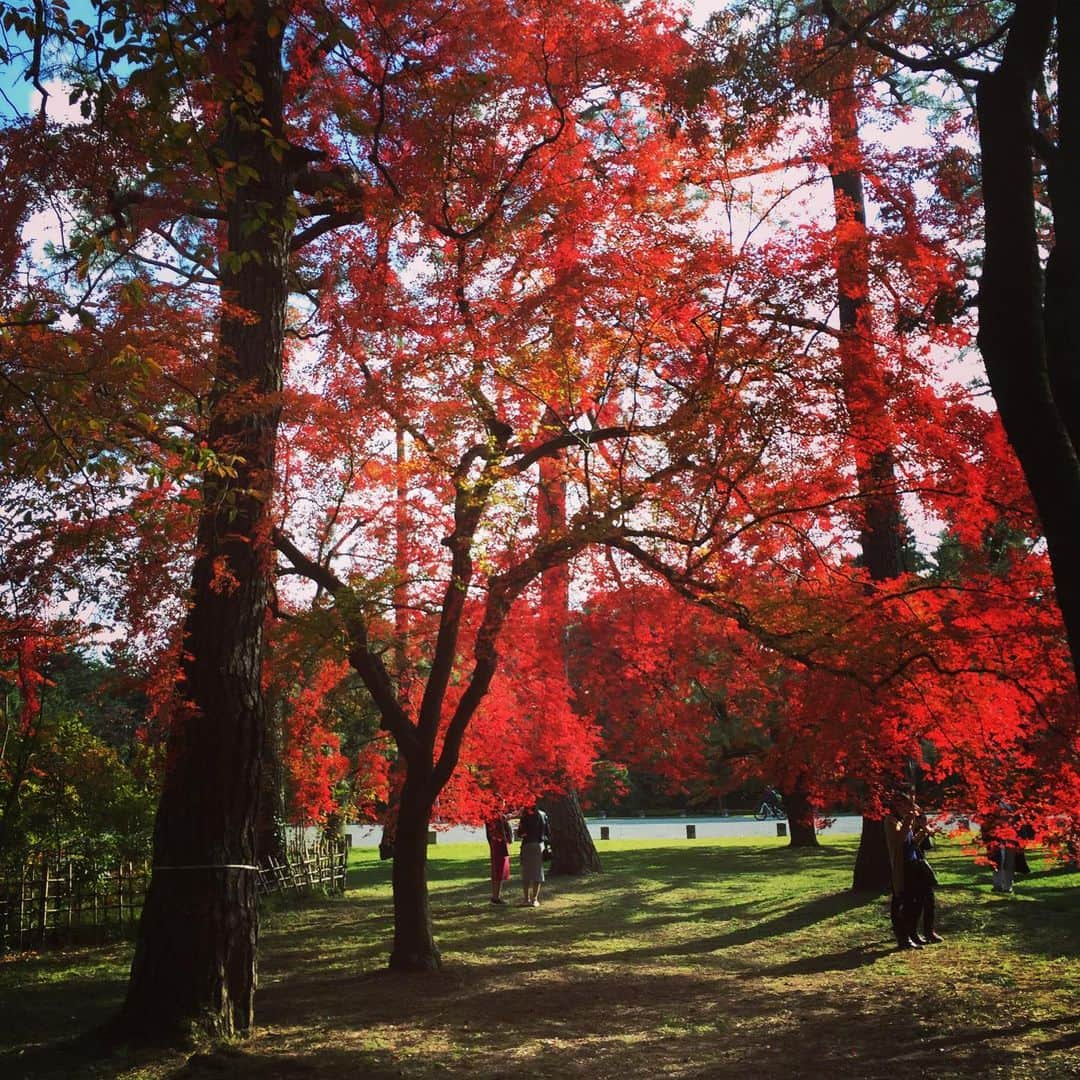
(573, 852)
(194, 965)
(414, 940)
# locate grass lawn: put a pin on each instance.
(684, 959)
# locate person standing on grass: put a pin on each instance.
(912, 876)
(534, 833)
(921, 882)
(499, 838)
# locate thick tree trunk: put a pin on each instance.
(194, 965)
(800, 812)
(573, 852)
(1062, 297)
(414, 940)
(1031, 350)
(872, 871)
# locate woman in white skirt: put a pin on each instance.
(533, 832)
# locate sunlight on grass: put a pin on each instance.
(688, 959)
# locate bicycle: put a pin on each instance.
(772, 806)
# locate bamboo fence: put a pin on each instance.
(48, 901)
(309, 865)
(67, 900)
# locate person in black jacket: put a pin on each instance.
(534, 833)
(913, 880)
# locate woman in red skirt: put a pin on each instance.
(499, 838)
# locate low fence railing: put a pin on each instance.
(319, 864)
(65, 900)
(51, 901)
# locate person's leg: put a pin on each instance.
(929, 918)
(909, 911)
(1008, 868)
(900, 916)
(1003, 876)
(896, 917)
(916, 911)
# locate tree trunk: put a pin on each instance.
(800, 812)
(270, 824)
(872, 871)
(573, 852)
(1030, 349)
(195, 960)
(572, 849)
(864, 390)
(414, 940)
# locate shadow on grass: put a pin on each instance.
(327, 1061)
(85, 1055)
(632, 1024)
(50, 997)
(688, 963)
(1012, 1032)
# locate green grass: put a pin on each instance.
(690, 959)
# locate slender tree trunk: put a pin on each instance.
(864, 390)
(401, 629)
(414, 940)
(195, 962)
(573, 852)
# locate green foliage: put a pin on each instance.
(81, 797)
(76, 780)
(953, 559)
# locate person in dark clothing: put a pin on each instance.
(919, 883)
(534, 833)
(913, 880)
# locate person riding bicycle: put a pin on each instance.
(772, 805)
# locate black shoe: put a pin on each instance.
(916, 940)
(908, 943)
(932, 937)
(497, 900)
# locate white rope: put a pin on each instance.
(210, 866)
